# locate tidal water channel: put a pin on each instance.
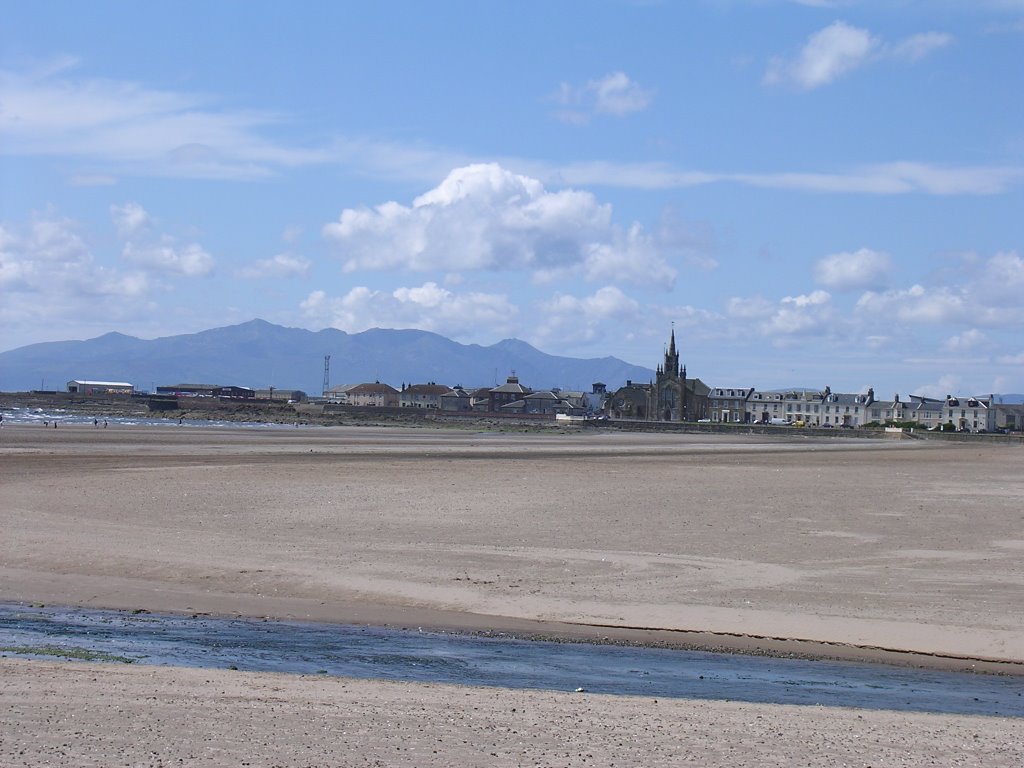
(375, 653)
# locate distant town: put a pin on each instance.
(672, 396)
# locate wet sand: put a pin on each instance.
(851, 548)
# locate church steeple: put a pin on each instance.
(671, 366)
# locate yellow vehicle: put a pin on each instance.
(799, 423)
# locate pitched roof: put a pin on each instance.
(376, 388)
(543, 395)
(512, 387)
(426, 389)
(341, 389)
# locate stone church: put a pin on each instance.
(672, 396)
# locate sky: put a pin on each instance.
(811, 193)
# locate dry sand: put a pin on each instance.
(855, 545)
(89, 715)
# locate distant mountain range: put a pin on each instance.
(259, 354)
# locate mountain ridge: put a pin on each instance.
(260, 354)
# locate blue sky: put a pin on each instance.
(815, 193)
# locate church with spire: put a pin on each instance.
(669, 392)
(671, 396)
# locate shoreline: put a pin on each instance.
(408, 618)
(864, 548)
(909, 557)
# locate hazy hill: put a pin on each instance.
(260, 354)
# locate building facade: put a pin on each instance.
(672, 396)
(506, 394)
(87, 387)
(729, 405)
(376, 395)
(423, 395)
(762, 407)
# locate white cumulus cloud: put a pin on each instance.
(189, 260)
(156, 253)
(49, 276)
(828, 54)
(917, 305)
(980, 292)
(584, 319)
(858, 270)
(283, 265)
(429, 307)
(617, 95)
(130, 219)
(968, 342)
(841, 48)
(484, 217)
(614, 94)
(791, 316)
(803, 314)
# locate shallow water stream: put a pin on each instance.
(309, 648)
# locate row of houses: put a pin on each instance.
(963, 413)
(674, 396)
(817, 408)
(512, 397)
(671, 396)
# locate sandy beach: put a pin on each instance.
(905, 551)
